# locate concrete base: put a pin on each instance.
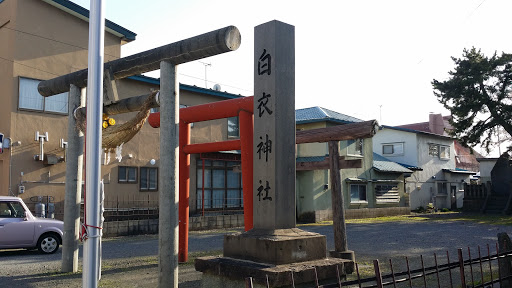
(282, 246)
(224, 272)
(347, 255)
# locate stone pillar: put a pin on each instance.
(274, 238)
(274, 243)
(168, 177)
(74, 166)
(274, 126)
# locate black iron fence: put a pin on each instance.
(130, 208)
(222, 206)
(481, 270)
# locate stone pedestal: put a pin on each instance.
(225, 272)
(281, 246)
(275, 255)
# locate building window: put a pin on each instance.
(441, 151)
(433, 150)
(391, 149)
(127, 174)
(442, 188)
(355, 147)
(357, 193)
(233, 127)
(444, 152)
(222, 185)
(148, 179)
(29, 98)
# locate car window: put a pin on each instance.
(5, 211)
(18, 210)
(11, 209)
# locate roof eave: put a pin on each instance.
(392, 171)
(335, 121)
(82, 13)
(416, 131)
(156, 81)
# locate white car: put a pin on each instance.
(20, 229)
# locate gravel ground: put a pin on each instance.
(131, 261)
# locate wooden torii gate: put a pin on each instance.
(334, 163)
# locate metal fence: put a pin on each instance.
(130, 208)
(480, 271)
(223, 206)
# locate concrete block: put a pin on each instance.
(227, 221)
(122, 228)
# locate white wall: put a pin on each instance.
(486, 168)
(422, 186)
(386, 136)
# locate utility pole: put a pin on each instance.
(92, 218)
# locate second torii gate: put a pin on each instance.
(241, 107)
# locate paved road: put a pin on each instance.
(385, 240)
(369, 241)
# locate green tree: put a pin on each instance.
(478, 95)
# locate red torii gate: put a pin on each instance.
(241, 107)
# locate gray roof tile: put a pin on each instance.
(383, 164)
(317, 114)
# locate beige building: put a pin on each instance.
(48, 38)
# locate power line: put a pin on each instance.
(475, 9)
(12, 61)
(85, 48)
(55, 40)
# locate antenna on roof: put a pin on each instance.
(205, 78)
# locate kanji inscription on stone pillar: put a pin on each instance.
(274, 126)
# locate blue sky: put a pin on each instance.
(368, 59)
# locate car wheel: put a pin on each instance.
(48, 244)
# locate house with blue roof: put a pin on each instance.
(376, 189)
(436, 178)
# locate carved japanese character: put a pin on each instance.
(264, 63)
(264, 147)
(262, 104)
(266, 189)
